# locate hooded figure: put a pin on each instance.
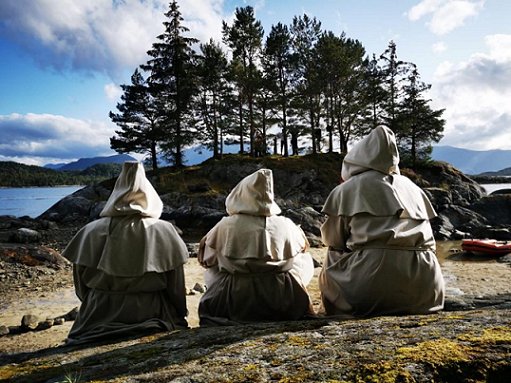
(257, 264)
(381, 257)
(128, 265)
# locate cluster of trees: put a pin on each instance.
(300, 81)
(13, 174)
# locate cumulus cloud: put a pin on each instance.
(476, 96)
(47, 138)
(108, 36)
(445, 15)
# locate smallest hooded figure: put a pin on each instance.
(257, 262)
(128, 265)
(381, 257)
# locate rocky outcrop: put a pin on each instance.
(194, 199)
(78, 206)
(464, 210)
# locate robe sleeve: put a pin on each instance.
(207, 255)
(335, 232)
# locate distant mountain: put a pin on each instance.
(473, 161)
(200, 153)
(501, 173)
(54, 166)
(84, 163)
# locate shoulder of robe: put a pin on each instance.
(370, 192)
(416, 203)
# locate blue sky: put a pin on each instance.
(63, 61)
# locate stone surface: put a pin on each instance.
(447, 347)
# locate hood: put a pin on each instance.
(133, 194)
(253, 195)
(377, 151)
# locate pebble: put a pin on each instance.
(29, 322)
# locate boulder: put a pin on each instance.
(25, 235)
(495, 208)
(77, 206)
(440, 198)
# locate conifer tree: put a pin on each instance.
(172, 79)
(139, 121)
(244, 38)
(214, 93)
(305, 32)
(418, 124)
(278, 66)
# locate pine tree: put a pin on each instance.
(214, 90)
(139, 120)
(244, 37)
(305, 32)
(172, 78)
(278, 65)
(394, 72)
(418, 124)
(374, 96)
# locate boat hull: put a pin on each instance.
(486, 247)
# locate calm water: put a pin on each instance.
(492, 187)
(32, 201)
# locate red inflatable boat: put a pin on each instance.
(489, 247)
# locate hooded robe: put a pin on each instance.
(257, 262)
(381, 257)
(128, 265)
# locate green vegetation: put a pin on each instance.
(13, 174)
(198, 178)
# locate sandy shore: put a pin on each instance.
(464, 276)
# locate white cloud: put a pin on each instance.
(476, 96)
(102, 35)
(51, 137)
(113, 92)
(500, 47)
(439, 47)
(445, 15)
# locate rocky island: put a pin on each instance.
(469, 341)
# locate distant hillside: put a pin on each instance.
(501, 173)
(84, 163)
(13, 174)
(473, 161)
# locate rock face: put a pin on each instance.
(194, 199)
(464, 210)
(466, 346)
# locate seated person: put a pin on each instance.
(257, 264)
(381, 257)
(128, 265)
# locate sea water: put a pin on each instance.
(32, 201)
(493, 187)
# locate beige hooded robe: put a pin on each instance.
(381, 257)
(128, 265)
(257, 262)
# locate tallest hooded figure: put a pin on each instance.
(381, 257)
